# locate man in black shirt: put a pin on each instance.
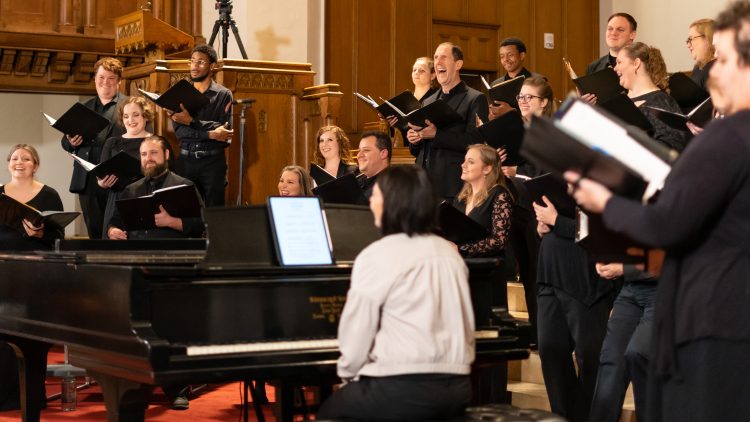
(373, 157)
(512, 53)
(93, 199)
(441, 151)
(204, 137)
(154, 157)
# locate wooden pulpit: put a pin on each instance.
(140, 32)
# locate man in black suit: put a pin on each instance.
(93, 199)
(441, 151)
(621, 31)
(373, 157)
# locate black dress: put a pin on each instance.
(112, 146)
(700, 75)
(673, 138)
(494, 213)
(15, 238)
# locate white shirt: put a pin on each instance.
(408, 310)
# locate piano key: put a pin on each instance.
(280, 346)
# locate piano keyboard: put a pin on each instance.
(281, 346)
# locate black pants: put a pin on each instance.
(414, 397)
(567, 325)
(625, 353)
(93, 204)
(209, 175)
(713, 384)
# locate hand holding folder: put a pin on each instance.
(13, 212)
(79, 120)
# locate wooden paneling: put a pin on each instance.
(408, 44)
(450, 10)
(27, 15)
(487, 12)
(476, 25)
(478, 44)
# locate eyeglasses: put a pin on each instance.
(198, 62)
(689, 40)
(526, 97)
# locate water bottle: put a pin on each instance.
(68, 393)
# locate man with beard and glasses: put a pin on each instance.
(154, 152)
(204, 137)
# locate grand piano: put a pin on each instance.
(135, 319)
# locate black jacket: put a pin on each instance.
(443, 155)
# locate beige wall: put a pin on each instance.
(21, 122)
(289, 30)
(663, 24)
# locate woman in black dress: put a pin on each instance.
(486, 200)
(23, 162)
(643, 73)
(134, 114)
(333, 153)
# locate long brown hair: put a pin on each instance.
(652, 60)
(489, 157)
(305, 181)
(345, 154)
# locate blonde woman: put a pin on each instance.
(485, 199)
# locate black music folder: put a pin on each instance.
(398, 106)
(622, 107)
(457, 227)
(183, 92)
(604, 245)
(555, 189)
(126, 168)
(604, 83)
(685, 91)
(181, 201)
(438, 113)
(506, 91)
(344, 190)
(505, 131)
(79, 120)
(13, 212)
(553, 146)
(320, 175)
(699, 116)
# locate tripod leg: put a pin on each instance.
(224, 40)
(239, 40)
(214, 32)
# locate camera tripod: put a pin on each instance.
(224, 22)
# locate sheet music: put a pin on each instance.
(300, 231)
(602, 134)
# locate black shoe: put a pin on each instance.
(181, 402)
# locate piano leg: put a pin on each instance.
(32, 369)
(126, 400)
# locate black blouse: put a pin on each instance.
(15, 238)
(494, 213)
(663, 133)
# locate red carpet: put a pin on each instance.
(214, 403)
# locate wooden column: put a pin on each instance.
(66, 24)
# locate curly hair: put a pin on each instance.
(111, 64)
(345, 154)
(736, 17)
(653, 61)
(146, 111)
